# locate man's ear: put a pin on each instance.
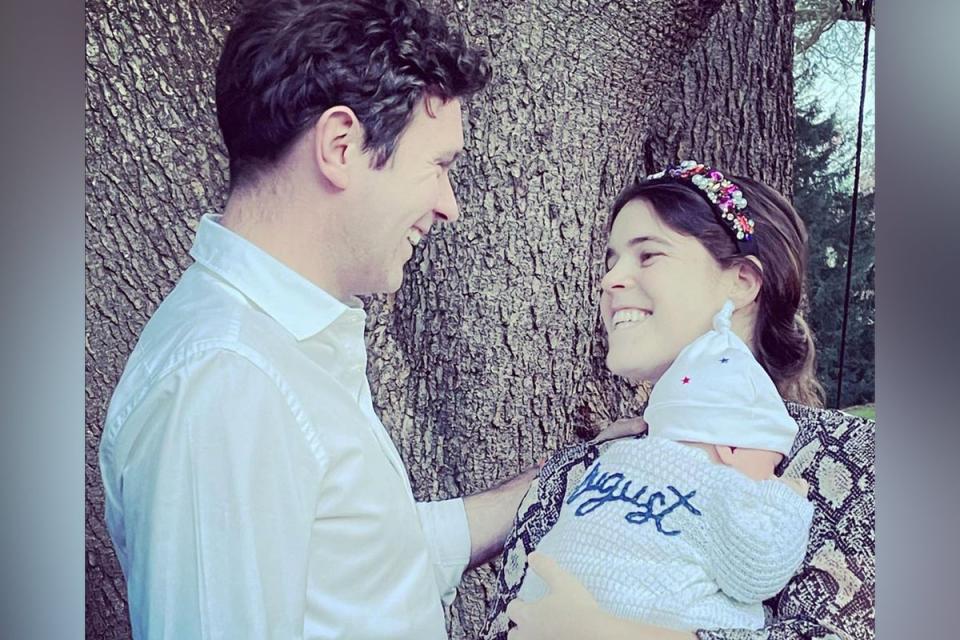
(337, 144)
(746, 279)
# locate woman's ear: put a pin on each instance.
(746, 279)
(337, 142)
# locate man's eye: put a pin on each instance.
(646, 256)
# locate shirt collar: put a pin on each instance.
(300, 306)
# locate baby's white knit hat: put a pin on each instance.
(716, 392)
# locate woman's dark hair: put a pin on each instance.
(285, 62)
(781, 339)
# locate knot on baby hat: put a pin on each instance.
(716, 392)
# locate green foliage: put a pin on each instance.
(822, 195)
(868, 411)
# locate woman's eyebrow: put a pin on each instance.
(632, 242)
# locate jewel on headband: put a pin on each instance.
(723, 194)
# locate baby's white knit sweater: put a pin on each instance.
(658, 532)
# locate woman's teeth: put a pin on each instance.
(414, 237)
(628, 317)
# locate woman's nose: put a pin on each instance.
(616, 279)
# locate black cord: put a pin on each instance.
(867, 20)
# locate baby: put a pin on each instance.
(688, 528)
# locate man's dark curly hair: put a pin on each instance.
(285, 62)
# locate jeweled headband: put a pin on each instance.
(727, 199)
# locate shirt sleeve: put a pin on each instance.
(218, 495)
(448, 542)
(760, 539)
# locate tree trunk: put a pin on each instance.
(732, 100)
(491, 354)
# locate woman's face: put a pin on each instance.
(660, 292)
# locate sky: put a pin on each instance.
(838, 60)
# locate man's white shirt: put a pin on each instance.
(251, 490)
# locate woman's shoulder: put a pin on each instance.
(846, 438)
(819, 418)
(834, 453)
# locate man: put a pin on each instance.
(251, 491)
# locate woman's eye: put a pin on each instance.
(645, 256)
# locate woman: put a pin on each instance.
(672, 245)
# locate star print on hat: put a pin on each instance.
(716, 392)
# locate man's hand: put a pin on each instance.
(621, 428)
(490, 514)
(569, 612)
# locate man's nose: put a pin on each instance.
(447, 208)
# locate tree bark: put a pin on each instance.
(732, 102)
(491, 353)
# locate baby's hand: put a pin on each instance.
(797, 484)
